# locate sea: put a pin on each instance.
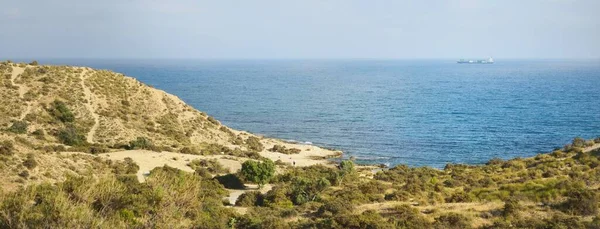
(413, 112)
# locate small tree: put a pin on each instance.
(346, 169)
(258, 172)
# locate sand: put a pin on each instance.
(148, 160)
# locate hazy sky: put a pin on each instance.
(300, 29)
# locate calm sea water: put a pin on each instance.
(428, 112)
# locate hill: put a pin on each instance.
(85, 148)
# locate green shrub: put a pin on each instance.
(581, 201)
(61, 112)
(19, 127)
(258, 172)
(249, 199)
(335, 207)
(71, 136)
(578, 142)
(230, 181)
(511, 208)
(452, 221)
(141, 143)
(7, 148)
(405, 216)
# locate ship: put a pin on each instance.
(483, 61)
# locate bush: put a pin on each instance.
(230, 181)
(61, 112)
(212, 165)
(254, 144)
(578, 142)
(258, 172)
(141, 143)
(511, 208)
(7, 148)
(249, 199)
(405, 216)
(213, 120)
(34, 63)
(581, 201)
(335, 207)
(30, 161)
(452, 221)
(71, 136)
(19, 127)
(284, 150)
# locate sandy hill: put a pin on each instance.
(46, 110)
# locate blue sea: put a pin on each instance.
(415, 112)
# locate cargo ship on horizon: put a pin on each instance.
(463, 61)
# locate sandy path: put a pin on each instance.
(234, 194)
(16, 72)
(90, 106)
(588, 149)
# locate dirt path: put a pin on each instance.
(16, 72)
(588, 149)
(90, 106)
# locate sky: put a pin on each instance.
(303, 29)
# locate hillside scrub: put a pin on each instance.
(284, 150)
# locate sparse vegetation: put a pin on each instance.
(284, 150)
(553, 190)
(60, 111)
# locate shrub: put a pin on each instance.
(230, 181)
(254, 144)
(24, 174)
(249, 199)
(71, 136)
(19, 127)
(30, 161)
(258, 172)
(61, 112)
(335, 207)
(405, 216)
(511, 208)
(213, 120)
(141, 143)
(34, 63)
(459, 197)
(581, 201)
(284, 150)
(7, 148)
(39, 134)
(578, 142)
(212, 165)
(452, 221)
